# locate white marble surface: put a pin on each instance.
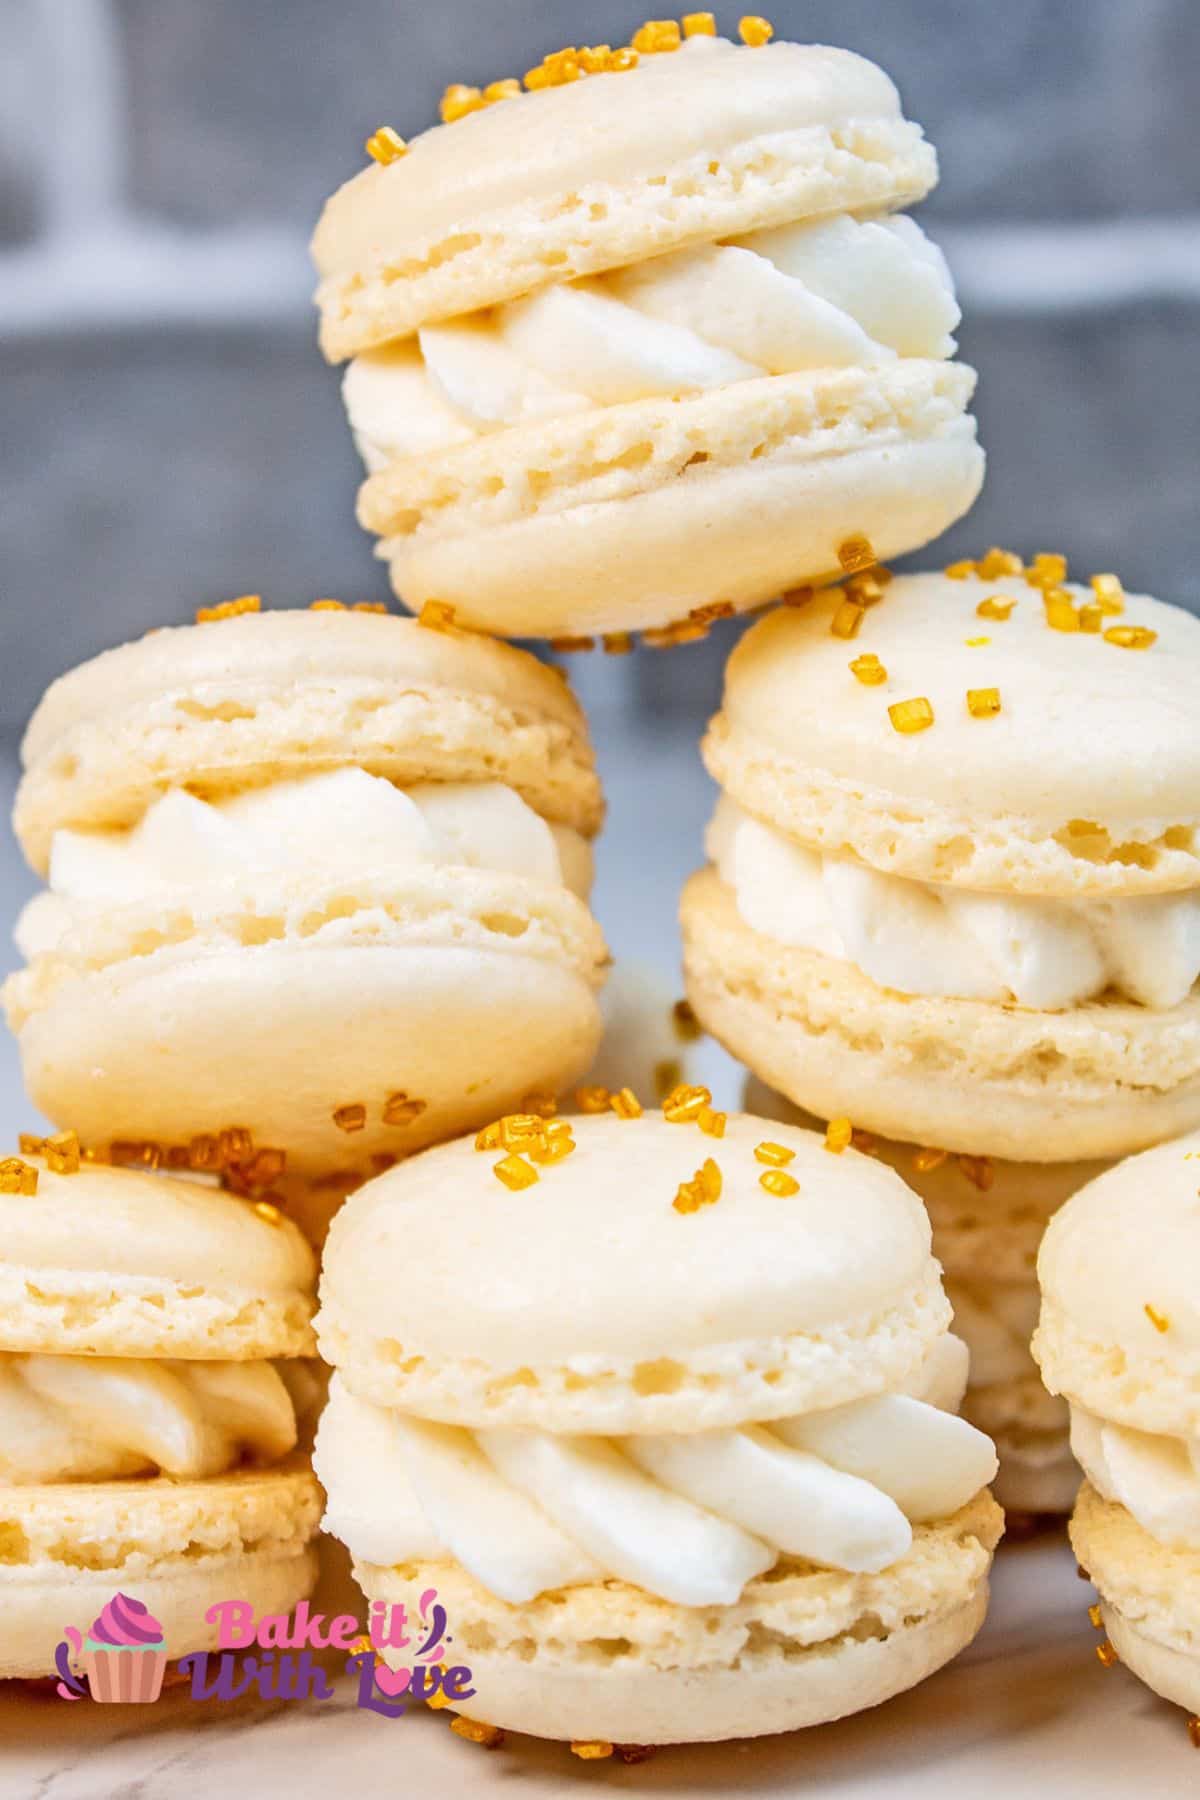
(1027, 1710)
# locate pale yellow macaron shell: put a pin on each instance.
(1085, 783)
(709, 142)
(118, 1262)
(1120, 1276)
(588, 1301)
(276, 695)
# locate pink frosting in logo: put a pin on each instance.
(127, 1624)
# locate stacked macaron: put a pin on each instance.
(954, 891)
(651, 341)
(317, 894)
(666, 1417)
(1119, 1338)
(154, 1401)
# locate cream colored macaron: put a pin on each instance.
(1119, 1339)
(153, 1403)
(316, 878)
(649, 342)
(954, 888)
(988, 1217)
(699, 1409)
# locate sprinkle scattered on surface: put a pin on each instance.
(779, 1182)
(983, 703)
(17, 1177)
(514, 1172)
(436, 615)
(909, 716)
(591, 1751)
(704, 1189)
(687, 1025)
(777, 1155)
(350, 1118)
(489, 1736)
(1159, 1320)
(1131, 637)
(385, 146)
(869, 670)
(847, 619)
(229, 609)
(625, 1104)
(838, 1134)
(755, 31)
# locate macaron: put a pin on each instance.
(684, 1466)
(154, 1337)
(1119, 1339)
(650, 342)
(988, 1217)
(316, 886)
(954, 887)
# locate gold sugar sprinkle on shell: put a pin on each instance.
(385, 146)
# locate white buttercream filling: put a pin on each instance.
(1153, 1476)
(336, 825)
(825, 294)
(918, 938)
(691, 1518)
(100, 1418)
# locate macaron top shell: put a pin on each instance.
(120, 1262)
(1085, 781)
(1119, 1269)
(589, 1300)
(542, 163)
(265, 696)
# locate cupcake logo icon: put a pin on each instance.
(123, 1655)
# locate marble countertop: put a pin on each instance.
(1027, 1709)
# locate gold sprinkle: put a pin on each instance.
(847, 619)
(625, 1104)
(370, 606)
(798, 596)
(350, 1118)
(62, 1153)
(1091, 619)
(1193, 1729)
(996, 606)
(994, 563)
(459, 100)
(715, 609)
(328, 606)
(1096, 1616)
(437, 1701)
(854, 553)
(1106, 1656)
(704, 1189)
(17, 1177)
(711, 1123)
(636, 1753)
(779, 1182)
(268, 1213)
(489, 1137)
(867, 588)
(864, 1141)
(1130, 637)
(960, 571)
(1110, 595)
(623, 59)
(544, 1105)
(593, 1750)
(436, 615)
(668, 1074)
(983, 703)
(1159, 1320)
(569, 645)
(976, 643)
(385, 145)
(127, 1153)
(1047, 570)
(755, 31)
(29, 1145)
(927, 1158)
(775, 1154)
(978, 1171)
(592, 1099)
(683, 1105)
(508, 89)
(656, 36)
(558, 1142)
(687, 1025)
(838, 1134)
(490, 1736)
(514, 1172)
(1060, 610)
(699, 25)
(869, 670)
(229, 609)
(398, 1109)
(617, 643)
(909, 716)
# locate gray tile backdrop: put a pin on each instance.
(172, 436)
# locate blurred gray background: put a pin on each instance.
(172, 436)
